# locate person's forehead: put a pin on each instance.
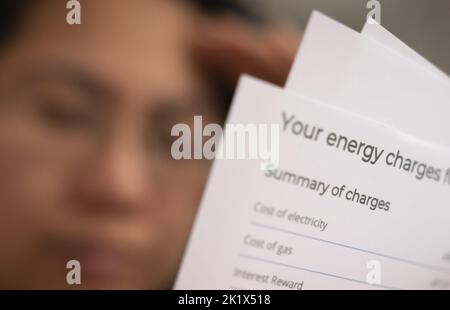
(159, 22)
(129, 42)
(97, 12)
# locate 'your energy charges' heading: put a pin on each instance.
(368, 153)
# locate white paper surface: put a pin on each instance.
(381, 35)
(338, 66)
(231, 243)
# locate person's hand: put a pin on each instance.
(230, 46)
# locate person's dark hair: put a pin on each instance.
(213, 7)
(11, 14)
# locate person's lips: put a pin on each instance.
(102, 262)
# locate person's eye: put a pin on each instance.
(63, 114)
(159, 139)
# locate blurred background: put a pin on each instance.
(423, 25)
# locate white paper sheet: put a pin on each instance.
(338, 66)
(381, 35)
(253, 232)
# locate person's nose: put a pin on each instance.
(113, 179)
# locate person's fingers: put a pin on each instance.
(231, 47)
(285, 44)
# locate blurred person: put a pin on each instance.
(86, 113)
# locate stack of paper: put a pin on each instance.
(356, 194)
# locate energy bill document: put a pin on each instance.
(342, 202)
